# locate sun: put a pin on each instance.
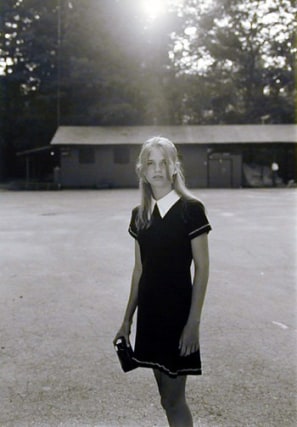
(154, 8)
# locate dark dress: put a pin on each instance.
(165, 286)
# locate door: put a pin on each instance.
(220, 173)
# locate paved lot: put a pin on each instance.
(65, 265)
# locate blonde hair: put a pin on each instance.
(178, 181)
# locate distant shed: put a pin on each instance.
(213, 156)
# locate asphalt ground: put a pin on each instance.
(65, 266)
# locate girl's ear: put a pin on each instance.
(174, 175)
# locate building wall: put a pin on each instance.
(114, 166)
(194, 161)
(217, 165)
(205, 168)
(109, 168)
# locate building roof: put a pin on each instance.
(204, 134)
(34, 150)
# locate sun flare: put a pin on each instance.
(154, 8)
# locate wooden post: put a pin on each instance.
(27, 171)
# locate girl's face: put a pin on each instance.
(158, 172)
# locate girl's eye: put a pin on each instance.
(149, 162)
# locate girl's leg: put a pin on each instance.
(173, 399)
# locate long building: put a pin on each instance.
(226, 156)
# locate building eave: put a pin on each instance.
(204, 134)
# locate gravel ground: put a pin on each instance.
(65, 266)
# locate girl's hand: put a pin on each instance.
(124, 332)
(189, 340)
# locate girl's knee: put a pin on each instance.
(172, 392)
(172, 402)
(166, 403)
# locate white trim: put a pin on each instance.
(152, 364)
(198, 229)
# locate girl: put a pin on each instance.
(170, 230)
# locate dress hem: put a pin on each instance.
(162, 368)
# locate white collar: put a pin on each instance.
(165, 203)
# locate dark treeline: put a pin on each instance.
(107, 62)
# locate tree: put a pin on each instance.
(106, 63)
(82, 63)
(244, 52)
(28, 45)
(118, 65)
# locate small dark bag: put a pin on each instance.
(125, 355)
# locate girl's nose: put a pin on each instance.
(157, 167)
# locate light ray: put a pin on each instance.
(154, 8)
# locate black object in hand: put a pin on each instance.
(125, 355)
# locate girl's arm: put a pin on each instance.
(125, 328)
(189, 341)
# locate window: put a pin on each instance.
(86, 155)
(121, 155)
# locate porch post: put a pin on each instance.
(27, 171)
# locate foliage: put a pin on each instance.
(244, 52)
(106, 63)
(28, 80)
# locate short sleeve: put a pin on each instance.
(196, 219)
(132, 226)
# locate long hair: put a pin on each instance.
(177, 179)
